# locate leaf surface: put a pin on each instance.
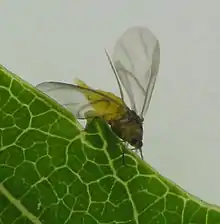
(52, 171)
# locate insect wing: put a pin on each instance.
(80, 100)
(136, 58)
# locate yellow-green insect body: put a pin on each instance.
(124, 122)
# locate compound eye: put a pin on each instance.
(134, 141)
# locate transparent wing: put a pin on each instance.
(80, 100)
(136, 58)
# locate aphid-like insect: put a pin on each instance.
(135, 63)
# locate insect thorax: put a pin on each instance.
(129, 128)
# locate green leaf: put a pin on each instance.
(52, 171)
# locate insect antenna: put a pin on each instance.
(115, 73)
(123, 153)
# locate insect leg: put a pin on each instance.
(141, 152)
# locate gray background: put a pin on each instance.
(60, 40)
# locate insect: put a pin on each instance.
(135, 64)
